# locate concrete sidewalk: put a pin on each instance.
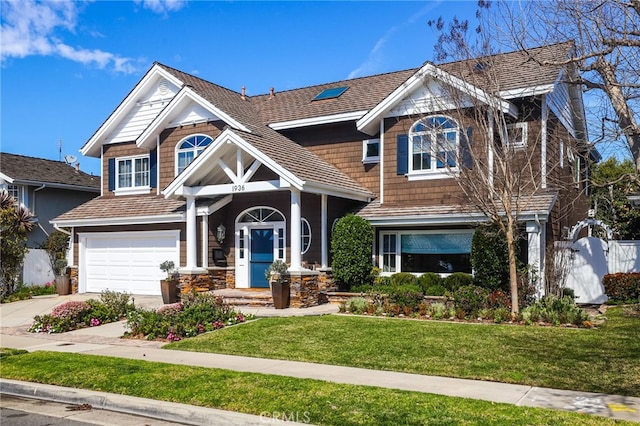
(104, 340)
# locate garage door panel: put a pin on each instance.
(128, 262)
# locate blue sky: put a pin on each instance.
(67, 65)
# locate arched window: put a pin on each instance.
(433, 144)
(305, 235)
(261, 215)
(188, 149)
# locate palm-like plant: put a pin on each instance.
(16, 221)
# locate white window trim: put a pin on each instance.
(302, 235)
(434, 172)
(372, 159)
(398, 250)
(178, 150)
(524, 128)
(132, 190)
(22, 198)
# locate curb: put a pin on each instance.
(155, 409)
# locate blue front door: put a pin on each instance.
(261, 244)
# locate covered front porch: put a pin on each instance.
(244, 211)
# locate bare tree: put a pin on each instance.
(606, 34)
(500, 166)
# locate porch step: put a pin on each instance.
(246, 297)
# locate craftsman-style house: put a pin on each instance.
(223, 183)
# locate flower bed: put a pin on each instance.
(111, 306)
(195, 314)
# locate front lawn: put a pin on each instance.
(595, 360)
(271, 397)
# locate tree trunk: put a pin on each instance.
(626, 119)
(513, 272)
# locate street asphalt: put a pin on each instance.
(104, 340)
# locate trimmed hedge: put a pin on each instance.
(622, 287)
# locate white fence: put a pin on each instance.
(37, 268)
(592, 258)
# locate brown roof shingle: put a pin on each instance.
(123, 207)
(40, 170)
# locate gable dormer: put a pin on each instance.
(134, 114)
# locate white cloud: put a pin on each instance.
(162, 7)
(31, 27)
(376, 55)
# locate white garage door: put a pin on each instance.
(126, 261)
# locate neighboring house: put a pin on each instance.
(48, 188)
(223, 183)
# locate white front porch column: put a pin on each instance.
(535, 248)
(324, 235)
(205, 241)
(192, 248)
(296, 217)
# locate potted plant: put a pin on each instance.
(62, 278)
(280, 288)
(169, 286)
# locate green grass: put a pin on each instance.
(311, 401)
(596, 360)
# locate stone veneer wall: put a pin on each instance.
(214, 279)
(309, 288)
(73, 279)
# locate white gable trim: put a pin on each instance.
(522, 92)
(313, 121)
(5, 178)
(177, 187)
(92, 147)
(369, 122)
(181, 100)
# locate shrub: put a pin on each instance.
(498, 299)
(429, 279)
(403, 278)
(407, 295)
(456, 280)
(65, 317)
(556, 311)
(357, 305)
(15, 222)
(435, 290)
(490, 257)
(470, 299)
(351, 248)
(622, 287)
(118, 303)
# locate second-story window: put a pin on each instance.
(133, 172)
(188, 149)
(433, 145)
(371, 151)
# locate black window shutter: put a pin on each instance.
(403, 154)
(153, 168)
(465, 147)
(112, 174)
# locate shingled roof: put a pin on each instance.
(284, 151)
(505, 71)
(23, 169)
(123, 207)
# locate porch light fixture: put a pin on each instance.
(220, 233)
